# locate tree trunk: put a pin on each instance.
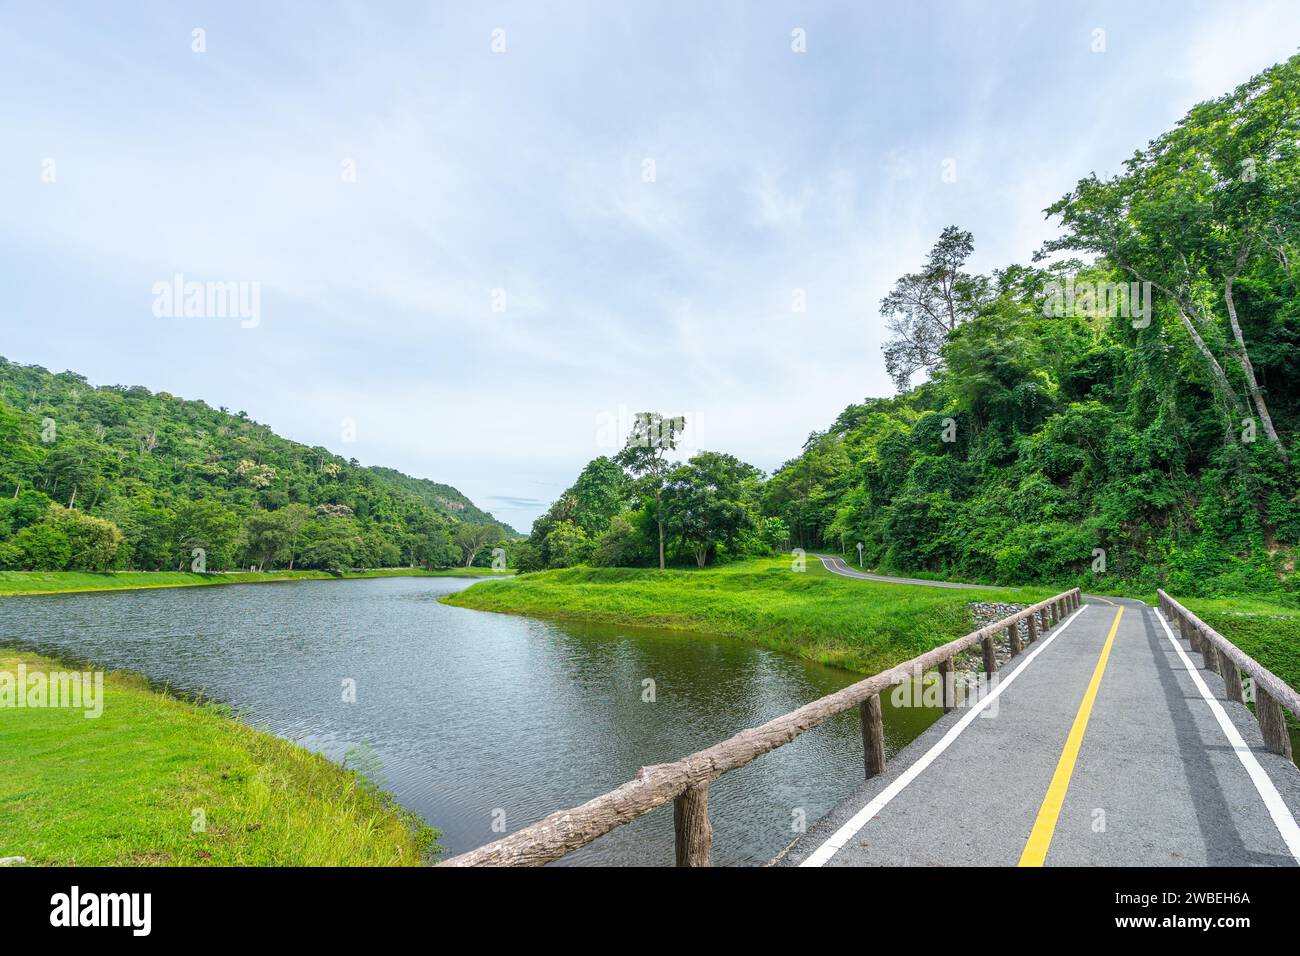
(1226, 391)
(659, 519)
(1243, 358)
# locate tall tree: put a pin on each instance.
(1194, 211)
(925, 307)
(645, 456)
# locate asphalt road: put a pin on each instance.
(837, 565)
(1096, 747)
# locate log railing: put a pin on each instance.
(686, 781)
(1272, 694)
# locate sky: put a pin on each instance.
(476, 238)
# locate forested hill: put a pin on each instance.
(441, 497)
(120, 477)
(1128, 415)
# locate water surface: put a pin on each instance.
(475, 719)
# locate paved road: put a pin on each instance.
(1096, 747)
(837, 565)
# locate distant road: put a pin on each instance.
(837, 566)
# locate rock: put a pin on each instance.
(989, 612)
(12, 860)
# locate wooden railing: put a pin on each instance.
(1230, 662)
(686, 781)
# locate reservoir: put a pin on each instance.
(481, 723)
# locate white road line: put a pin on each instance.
(1277, 808)
(844, 834)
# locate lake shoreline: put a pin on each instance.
(859, 626)
(81, 582)
(247, 797)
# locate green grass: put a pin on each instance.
(1266, 630)
(63, 582)
(859, 625)
(121, 789)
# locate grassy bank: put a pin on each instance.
(123, 788)
(859, 625)
(1266, 630)
(66, 582)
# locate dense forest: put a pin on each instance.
(1125, 406)
(105, 478)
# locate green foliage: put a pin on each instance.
(1095, 448)
(172, 477)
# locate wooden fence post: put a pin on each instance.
(1231, 677)
(947, 684)
(1013, 635)
(691, 827)
(1272, 722)
(990, 658)
(873, 736)
(1033, 628)
(1209, 654)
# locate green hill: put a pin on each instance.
(440, 497)
(117, 477)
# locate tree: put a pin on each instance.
(208, 525)
(267, 537)
(293, 519)
(707, 501)
(331, 542)
(567, 544)
(472, 538)
(618, 545)
(40, 547)
(600, 492)
(800, 489)
(926, 307)
(1194, 211)
(93, 543)
(644, 456)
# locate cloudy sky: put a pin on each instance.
(485, 234)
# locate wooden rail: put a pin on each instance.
(686, 781)
(1230, 662)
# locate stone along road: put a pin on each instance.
(1103, 744)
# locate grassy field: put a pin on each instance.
(859, 625)
(123, 788)
(64, 582)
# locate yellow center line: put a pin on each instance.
(1040, 838)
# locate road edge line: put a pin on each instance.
(1285, 822)
(836, 841)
